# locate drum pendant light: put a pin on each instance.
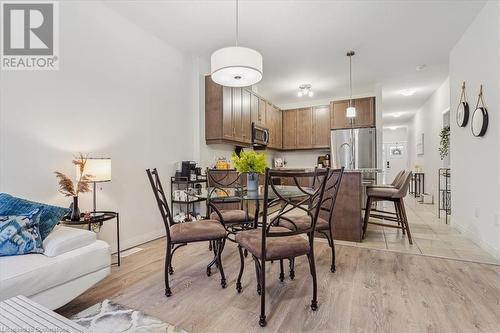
(236, 66)
(350, 112)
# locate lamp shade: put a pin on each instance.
(236, 66)
(97, 169)
(350, 112)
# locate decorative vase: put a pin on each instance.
(252, 181)
(75, 211)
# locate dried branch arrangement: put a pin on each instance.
(66, 185)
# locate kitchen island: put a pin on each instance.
(347, 217)
(347, 214)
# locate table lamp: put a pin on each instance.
(98, 170)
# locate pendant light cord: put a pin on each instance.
(350, 79)
(237, 23)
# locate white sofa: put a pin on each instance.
(74, 260)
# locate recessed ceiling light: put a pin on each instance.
(396, 115)
(407, 92)
(420, 67)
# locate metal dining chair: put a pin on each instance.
(181, 234)
(272, 242)
(324, 224)
(236, 217)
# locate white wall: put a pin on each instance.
(429, 121)
(120, 93)
(475, 161)
(398, 134)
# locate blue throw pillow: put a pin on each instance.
(19, 234)
(49, 215)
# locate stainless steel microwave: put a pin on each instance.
(260, 135)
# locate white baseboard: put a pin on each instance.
(477, 240)
(138, 239)
(143, 238)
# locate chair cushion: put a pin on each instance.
(233, 216)
(197, 231)
(49, 216)
(276, 247)
(382, 192)
(303, 222)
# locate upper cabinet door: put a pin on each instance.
(279, 127)
(304, 128)
(365, 112)
(338, 117)
(289, 129)
(321, 126)
(237, 128)
(246, 115)
(254, 108)
(262, 113)
(227, 113)
(270, 124)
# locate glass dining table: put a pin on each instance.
(228, 195)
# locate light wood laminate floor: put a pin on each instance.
(372, 291)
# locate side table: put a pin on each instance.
(100, 217)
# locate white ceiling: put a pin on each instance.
(306, 41)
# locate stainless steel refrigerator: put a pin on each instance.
(354, 148)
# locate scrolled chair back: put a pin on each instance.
(332, 187)
(223, 178)
(307, 199)
(161, 200)
(229, 182)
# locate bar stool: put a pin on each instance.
(395, 194)
(394, 183)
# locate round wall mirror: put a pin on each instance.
(479, 123)
(463, 114)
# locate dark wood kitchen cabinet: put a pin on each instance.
(274, 124)
(227, 114)
(304, 128)
(321, 127)
(246, 115)
(289, 129)
(236, 114)
(258, 109)
(365, 113)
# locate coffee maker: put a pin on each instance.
(187, 170)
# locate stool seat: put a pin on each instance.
(380, 186)
(383, 192)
